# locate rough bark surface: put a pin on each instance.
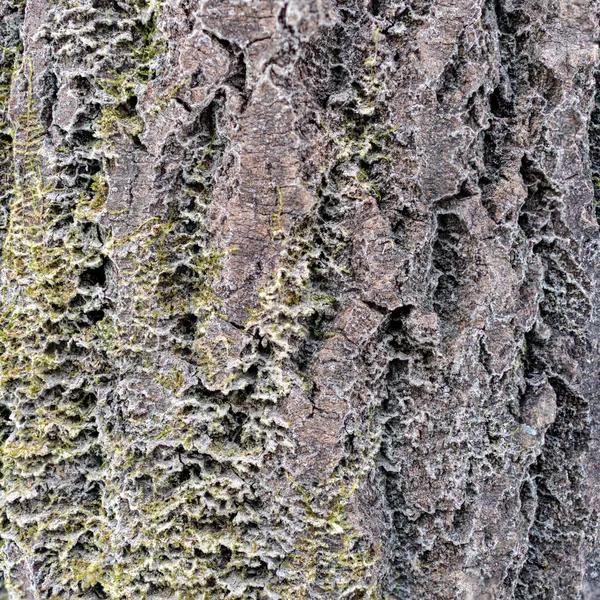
(298, 299)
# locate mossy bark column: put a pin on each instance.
(298, 299)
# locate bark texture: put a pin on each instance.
(298, 299)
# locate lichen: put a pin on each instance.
(45, 255)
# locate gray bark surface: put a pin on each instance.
(298, 299)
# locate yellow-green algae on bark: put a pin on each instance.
(109, 316)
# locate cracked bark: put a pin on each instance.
(299, 299)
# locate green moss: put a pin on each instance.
(329, 556)
(113, 123)
(163, 101)
(201, 500)
(173, 381)
(93, 202)
(44, 255)
(276, 217)
(119, 119)
(9, 64)
(171, 274)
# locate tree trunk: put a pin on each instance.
(298, 299)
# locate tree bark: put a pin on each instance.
(298, 299)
